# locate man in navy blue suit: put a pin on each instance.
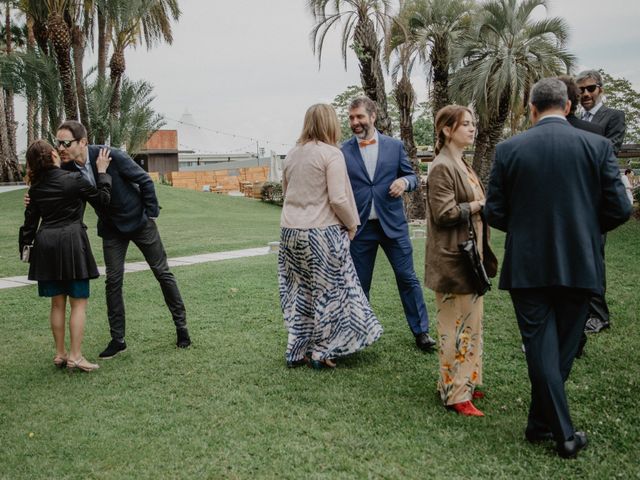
(554, 189)
(380, 173)
(130, 217)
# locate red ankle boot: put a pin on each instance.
(478, 395)
(467, 409)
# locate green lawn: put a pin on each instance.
(228, 407)
(190, 222)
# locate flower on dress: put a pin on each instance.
(448, 380)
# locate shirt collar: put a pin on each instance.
(595, 109)
(553, 116)
(86, 163)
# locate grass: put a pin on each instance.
(228, 408)
(190, 223)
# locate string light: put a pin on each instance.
(234, 135)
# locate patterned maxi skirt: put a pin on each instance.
(459, 321)
(325, 309)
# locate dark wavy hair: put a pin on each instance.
(39, 160)
(449, 116)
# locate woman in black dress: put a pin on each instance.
(61, 259)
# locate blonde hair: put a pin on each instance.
(449, 116)
(320, 125)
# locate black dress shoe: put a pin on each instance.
(114, 348)
(538, 436)
(183, 340)
(570, 448)
(424, 342)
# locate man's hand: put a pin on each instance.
(103, 161)
(27, 200)
(398, 187)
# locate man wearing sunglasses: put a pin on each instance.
(612, 120)
(130, 217)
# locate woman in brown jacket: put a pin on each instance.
(455, 195)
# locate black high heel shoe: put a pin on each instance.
(322, 364)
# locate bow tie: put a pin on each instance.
(364, 143)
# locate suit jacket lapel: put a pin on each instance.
(382, 144)
(600, 114)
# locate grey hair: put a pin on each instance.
(592, 74)
(549, 93)
(368, 104)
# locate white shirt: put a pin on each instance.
(370, 156)
(627, 187)
(589, 114)
(86, 170)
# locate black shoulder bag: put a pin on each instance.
(477, 273)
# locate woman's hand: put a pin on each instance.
(352, 234)
(476, 206)
(103, 161)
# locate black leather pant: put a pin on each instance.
(147, 239)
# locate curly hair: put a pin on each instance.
(39, 160)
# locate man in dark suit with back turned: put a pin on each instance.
(553, 189)
(591, 88)
(130, 217)
(380, 173)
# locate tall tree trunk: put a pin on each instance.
(103, 44)
(117, 66)
(488, 137)
(405, 98)
(32, 99)
(439, 59)
(61, 40)
(9, 168)
(367, 49)
(10, 105)
(44, 121)
(78, 42)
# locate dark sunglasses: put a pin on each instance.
(65, 143)
(590, 88)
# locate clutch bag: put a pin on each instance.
(26, 253)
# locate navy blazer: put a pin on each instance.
(554, 189)
(133, 195)
(392, 164)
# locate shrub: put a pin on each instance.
(271, 192)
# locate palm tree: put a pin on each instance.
(60, 37)
(401, 42)
(133, 22)
(137, 120)
(361, 18)
(500, 60)
(11, 35)
(81, 15)
(435, 26)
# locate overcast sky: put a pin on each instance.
(246, 67)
